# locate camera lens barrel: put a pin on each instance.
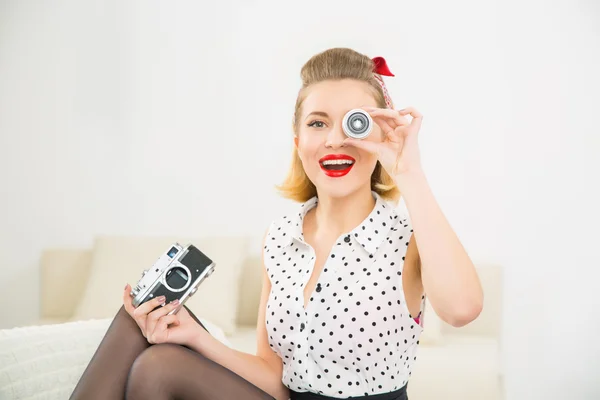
(357, 124)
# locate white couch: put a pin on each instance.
(81, 290)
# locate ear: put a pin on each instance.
(296, 145)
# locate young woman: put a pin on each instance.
(344, 278)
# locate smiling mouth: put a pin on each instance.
(336, 165)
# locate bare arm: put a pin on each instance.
(264, 369)
(447, 273)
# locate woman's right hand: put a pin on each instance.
(159, 327)
(143, 315)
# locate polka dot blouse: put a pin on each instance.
(356, 336)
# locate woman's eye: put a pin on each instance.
(315, 124)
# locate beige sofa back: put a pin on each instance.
(64, 273)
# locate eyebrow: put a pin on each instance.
(319, 113)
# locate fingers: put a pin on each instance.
(155, 315)
(140, 314)
(417, 117)
(159, 333)
(412, 111)
(165, 321)
(385, 127)
(127, 300)
(393, 117)
(396, 137)
(145, 308)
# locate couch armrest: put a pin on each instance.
(63, 277)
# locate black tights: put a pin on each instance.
(126, 366)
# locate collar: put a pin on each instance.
(369, 234)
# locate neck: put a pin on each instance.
(337, 215)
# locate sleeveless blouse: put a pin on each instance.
(356, 336)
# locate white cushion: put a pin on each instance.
(46, 362)
(120, 260)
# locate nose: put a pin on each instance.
(335, 137)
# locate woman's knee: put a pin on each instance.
(150, 370)
(154, 359)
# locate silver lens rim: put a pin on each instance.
(346, 126)
(176, 265)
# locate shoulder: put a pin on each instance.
(282, 225)
(276, 240)
(401, 217)
(283, 228)
(401, 231)
(289, 223)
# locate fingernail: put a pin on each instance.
(175, 302)
(127, 284)
(161, 299)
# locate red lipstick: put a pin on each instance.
(341, 165)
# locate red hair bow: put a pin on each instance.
(381, 67)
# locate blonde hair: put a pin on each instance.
(334, 64)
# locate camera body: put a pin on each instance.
(176, 274)
(357, 124)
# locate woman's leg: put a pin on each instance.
(125, 361)
(169, 371)
(106, 374)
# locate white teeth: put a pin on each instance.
(334, 162)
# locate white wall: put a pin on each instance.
(137, 118)
(552, 170)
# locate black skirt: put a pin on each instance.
(399, 394)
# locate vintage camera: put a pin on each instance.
(357, 124)
(175, 275)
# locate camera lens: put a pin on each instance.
(357, 124)
(177, 278)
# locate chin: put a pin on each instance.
(341, 184)
(335, 191)
(340, 187)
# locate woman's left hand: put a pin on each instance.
(398, 151)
